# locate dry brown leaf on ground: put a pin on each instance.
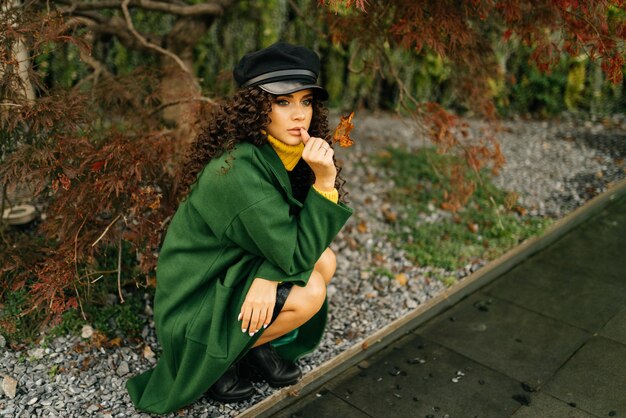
(402, 279)
(342, 133)
(115, 342)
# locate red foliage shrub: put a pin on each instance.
(100, 162)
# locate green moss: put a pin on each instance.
(483, 229)
(384, 272)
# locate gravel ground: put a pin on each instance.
(554, 166)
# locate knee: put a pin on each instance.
(316, 292)
(326, 265)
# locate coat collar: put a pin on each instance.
(280, 172)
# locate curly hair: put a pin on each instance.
(242, 119)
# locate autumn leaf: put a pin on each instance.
(97, 166)
(402, 279)
(342, 133)
(115, 342)
(390, 215)
(520, 210)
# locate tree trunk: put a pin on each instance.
(22, 88)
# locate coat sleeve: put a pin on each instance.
(290, 244)
(246, 206)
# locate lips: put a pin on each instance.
(294, 131)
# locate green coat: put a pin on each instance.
(240, 221)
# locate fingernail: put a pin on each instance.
(251, 333)
(239, 317)
(264, 326)
(244, 330)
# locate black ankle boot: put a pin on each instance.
(230, 387)
(264, 362)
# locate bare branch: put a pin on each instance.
(193, 99)
(114, 26)
(119, 270)
(106, 230)
(211, 8)
(147, 44)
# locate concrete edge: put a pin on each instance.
(394, 330)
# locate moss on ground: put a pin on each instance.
(489, 225)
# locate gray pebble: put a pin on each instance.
(123, 369)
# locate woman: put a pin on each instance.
(245, 260)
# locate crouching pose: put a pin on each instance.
(242, 274)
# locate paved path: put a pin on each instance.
(546, 339)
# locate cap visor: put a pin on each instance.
(278, 88)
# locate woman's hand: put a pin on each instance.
(258, 306)
(319, 156)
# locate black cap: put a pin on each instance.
(281, 68)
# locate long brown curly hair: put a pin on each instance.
(242, 119)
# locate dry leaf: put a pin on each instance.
(85, 364)
(402, 279)
(115, 342)
(520, 210)
(362, 227)
(151, 281)
(98, 339)
(342, 133)
(389, 215)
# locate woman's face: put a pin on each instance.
(290, 112)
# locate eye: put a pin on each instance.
(307, 102)
(282, 102)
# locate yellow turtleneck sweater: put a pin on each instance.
(290, 155)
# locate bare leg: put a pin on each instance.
(302, 302)
(327, 264)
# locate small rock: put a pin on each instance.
(147, 352)
(9, 386)
(87, 331)
(3, 341)
(122, 369)
(395, 371)
(36, 353)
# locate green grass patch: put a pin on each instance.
(14, 325)
(483, 229)
(114, 319)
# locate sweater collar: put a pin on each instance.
(288, 154)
